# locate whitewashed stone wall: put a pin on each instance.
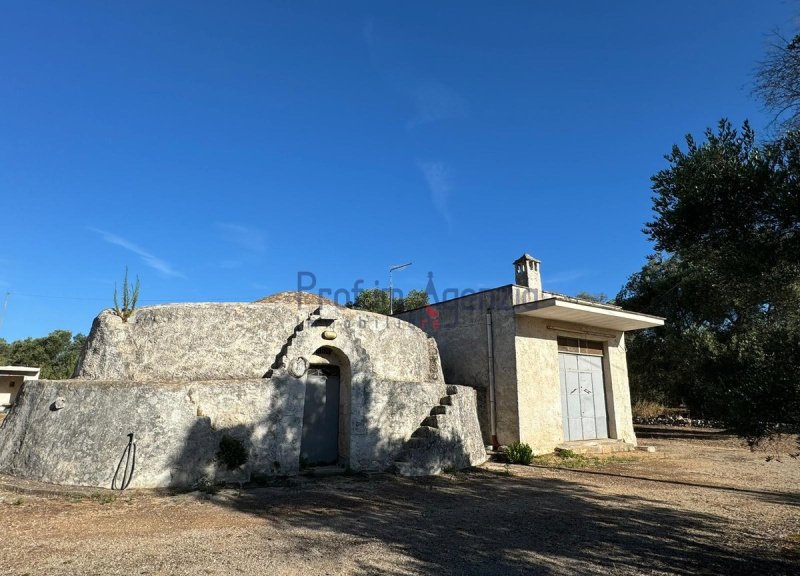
(180, 377)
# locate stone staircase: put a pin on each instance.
(306, 339)
(420, 456)
(285, 353)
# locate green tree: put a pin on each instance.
(777, 81)
(414, 299)
(377, 300)
(56, 354)
(726, 277)
(372, 300)
(599, 297)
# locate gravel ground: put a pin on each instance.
(702, 504)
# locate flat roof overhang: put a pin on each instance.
(588, 314)
(19, 371)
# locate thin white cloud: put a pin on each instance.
(433, 102)
(149, 259)
(440, 185)
(566, 276)
(431, 99)
(251, 239)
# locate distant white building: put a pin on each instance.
(11, 379)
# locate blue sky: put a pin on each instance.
(217, 149)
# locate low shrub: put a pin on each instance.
(206, 485)
(647, 409)
(232, 452)
(519, 453)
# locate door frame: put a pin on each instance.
(332, 355)
(605, 374)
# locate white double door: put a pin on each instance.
(583, 397)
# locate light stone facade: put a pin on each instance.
(504, 343)
(181, 377)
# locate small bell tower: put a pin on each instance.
(527, 273)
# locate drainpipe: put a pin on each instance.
(490, 360)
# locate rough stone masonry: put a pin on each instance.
(181, 377)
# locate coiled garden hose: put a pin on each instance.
(129, 457)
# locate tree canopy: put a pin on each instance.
(599, 297)
(778, 81)
(727, 278)
(377, 300)
(56, 354)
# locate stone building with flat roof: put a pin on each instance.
(549, 370)
(11, 380)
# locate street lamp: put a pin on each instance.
(397, 268)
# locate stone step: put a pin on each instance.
(324, 471)
(601, 446)
(452, 389)
(446, 401)
(432, 421)
(416, 443)
(424, 432)
(438, 410)
(412, 448)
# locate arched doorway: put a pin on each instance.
(326, 416)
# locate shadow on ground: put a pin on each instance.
(485, 523)
(676, 433)
(782, 498)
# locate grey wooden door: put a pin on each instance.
(583, 397)
(320, 441)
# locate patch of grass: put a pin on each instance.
(103, 497)
(18, 502)
(99, 497)
(569, 459)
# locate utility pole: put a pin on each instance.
(397, 268)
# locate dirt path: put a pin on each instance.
(701, 504)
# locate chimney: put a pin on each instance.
(527, 273)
